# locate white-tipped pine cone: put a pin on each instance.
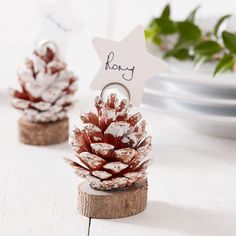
(47, 87)
(112, 147)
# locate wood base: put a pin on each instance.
(112, 204)
(42, 134)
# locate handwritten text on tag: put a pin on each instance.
(110, 65)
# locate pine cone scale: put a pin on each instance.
(101, 174)
(115, 167)
(91, 160)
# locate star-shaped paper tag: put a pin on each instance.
(127, 63)
(58, 24)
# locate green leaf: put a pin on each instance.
(166, 12)
(191, 16)
(207, 48)
(219, 23)
(153, 23)
(149, 33)
(166, 26)
(226, 63)
(180, 54)
(188, 31)
(229, 41)
(152, 33)
(156, 40)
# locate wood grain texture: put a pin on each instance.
(112, 204)
(42, 134)
(38, 191)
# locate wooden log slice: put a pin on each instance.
(43, 133)
(112, 204)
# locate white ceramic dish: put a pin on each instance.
(201, 81)
(199, 84)
(199, 106)
(171, 92)
(216, 125)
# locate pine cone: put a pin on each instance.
(112, 146)
(46, 87)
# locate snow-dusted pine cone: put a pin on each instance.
(112, 147)
(47, 87)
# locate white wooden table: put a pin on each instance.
(192, 181)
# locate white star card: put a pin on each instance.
(127, 63)
(58, 24)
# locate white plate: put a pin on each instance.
(171, 92)
(166, 106)
(198, 84)
(227, 80)
(223, 107)
(201, 81)
(221, 126)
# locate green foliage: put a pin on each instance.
(184, 40)
(229, 41)
(225, 63)
(219, 23)
(166, 12)
(207, 48)
(191, 16)
(181, 54)
(188, 32)
(166, 26)
(163, 24)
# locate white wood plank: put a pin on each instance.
(39, 198)
(38, 190)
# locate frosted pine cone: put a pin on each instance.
(112, 147)
(46, 87)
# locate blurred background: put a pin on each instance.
(20, 23)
